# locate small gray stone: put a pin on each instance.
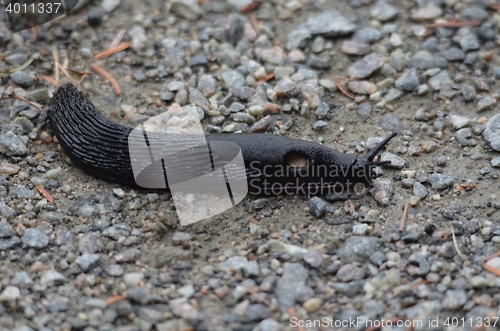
(365, 110)
(459, 122)
(186, 8)
(441, 81)
(467, 40)
(22, 279)
(350, 272)
(453, 54)
(424, 60)
(409, 81)
(362, 87)
(365, 67)
(233, 78)
(249, 268)
(454, 299)
(357, 249)
(298, 38)
(35, 238)
(486, 103)
(330, 24)
(88, 261)
(382, 190)
(11, 145)
(313, 258)
(109, 5)
(52, 278)
(10, 294)
(442, 181)
(257, 312)
(419, 190)
(396, 161)
(427, 12)
(383, 11)
(22, 79)
(317, 207)
(468, 92)
(322, 110)
(495, 162)
(319, 125)
(268, 325)
(294, 276)
(367, 36)
(492, 132)
(465, 137)
(114, 270)
(474, 13)
(355, 48)
(393, 94)
(20, 191)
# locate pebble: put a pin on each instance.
(109, 5)
(367, 36)
(10, 294)
(22, 79)
(467, 40)
(409, 81)
(396, 161)
(424, 60)
(491, 132)
(52, 278)
(419, 190)
(486, 103)
(428, 12)
(294, 275)
(355, 48)
(249, 268)
(459, 122)
(298, 38)
(383, 11)
(495, 162)
(313, 304)
(360, 229)
(11, 145)
(441, 81)
(233, 79)
(317, 207)
(442, 181)
(9, 168)
(132, 279)
(330, 24)
(35, 238)
(454, 299)
(88, 261)
(365, 67)
(362, 87)
(319, 125)
(357, 249)
(188, 9)
(313, 258)
(383, 190)
(350, 272)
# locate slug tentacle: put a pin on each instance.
(101, 147)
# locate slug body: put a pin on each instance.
(272, 164)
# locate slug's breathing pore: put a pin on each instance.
(273, 164)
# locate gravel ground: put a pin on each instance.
(92, 255)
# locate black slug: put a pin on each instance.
(272, 164)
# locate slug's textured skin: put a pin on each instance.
(101, 147)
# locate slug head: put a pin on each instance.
(364, 166)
